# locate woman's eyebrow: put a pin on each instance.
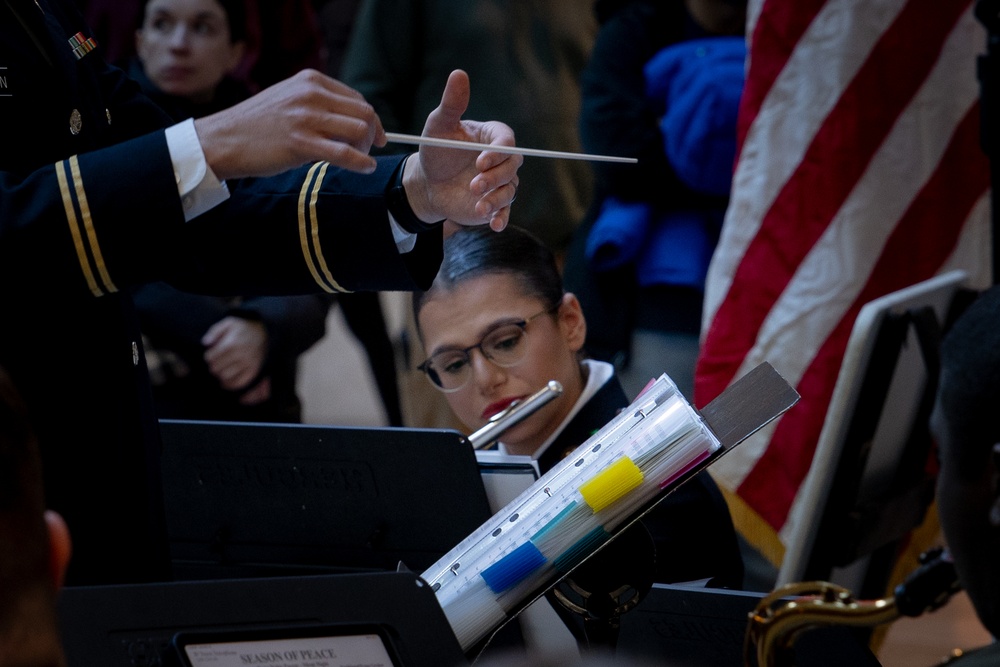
(485, 331)
(497, 323)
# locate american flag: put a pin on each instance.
(859, 172)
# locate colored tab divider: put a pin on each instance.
(618, 479)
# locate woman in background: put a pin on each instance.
(217, 358)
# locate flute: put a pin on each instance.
(514, 414)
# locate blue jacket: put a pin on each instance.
(694, 88)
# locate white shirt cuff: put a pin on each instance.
(197, 185)
(405, 241)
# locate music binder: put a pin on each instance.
(612, 479)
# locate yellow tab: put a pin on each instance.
(620, 477)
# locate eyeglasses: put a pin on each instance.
(450, 370)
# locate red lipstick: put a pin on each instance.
(499, 406)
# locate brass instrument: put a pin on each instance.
(782, 616)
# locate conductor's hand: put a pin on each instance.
(306, 118)
(462, 186)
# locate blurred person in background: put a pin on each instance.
(528, 56)
(663, 85)
(213, 357)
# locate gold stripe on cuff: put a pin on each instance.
(74, 229)
(303, 232)
(314, 218)
(88, 225)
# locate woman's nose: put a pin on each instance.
(179, 37)
(485, 372)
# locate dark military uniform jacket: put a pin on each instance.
(88, 208)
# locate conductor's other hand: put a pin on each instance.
(463, 186)
(235, 351)
(306, 118)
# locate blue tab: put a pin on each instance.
(513, 568)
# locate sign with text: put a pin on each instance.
(367, 650)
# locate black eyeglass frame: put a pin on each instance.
(425, 366)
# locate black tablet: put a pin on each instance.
(261, 500)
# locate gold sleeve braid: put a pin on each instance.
(312, 251)
(86, 238)
(91, 259)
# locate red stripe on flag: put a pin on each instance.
(779, 28)
(837, 157)
(916, 250)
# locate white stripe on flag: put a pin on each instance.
(974, 245)
(824, 61)
(831, 276)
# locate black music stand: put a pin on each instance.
(137, 625)
(869, 485)
(248, 499)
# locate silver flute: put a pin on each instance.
(514, 414)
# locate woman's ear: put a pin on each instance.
(60, 547)
(572, 323)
